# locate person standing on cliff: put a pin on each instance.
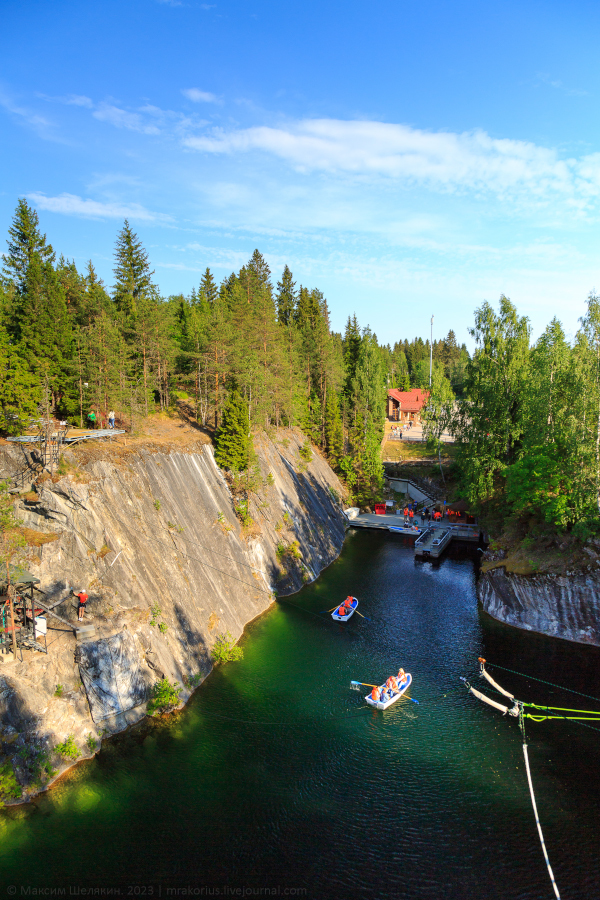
(111, 419)
(83, 598)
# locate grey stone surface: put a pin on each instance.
(154, 539)
(112, 675)
(557, 605)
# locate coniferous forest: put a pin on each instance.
(258, 351)
(252, 350)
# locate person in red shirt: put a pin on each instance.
(83, 598)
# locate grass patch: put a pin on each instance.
(37, 538)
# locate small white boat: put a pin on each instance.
(348, 614)
(379, 704)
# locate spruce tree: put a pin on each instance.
(232, 439)
(208, 288)
(25, 242)
(133, 276)
(19, 391)
(334, 434)
(286, 298)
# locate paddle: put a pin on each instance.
(361, 615)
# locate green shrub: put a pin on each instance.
(68, 749)
(225, 649)
(335, 496)
(305, 451)
(91, 742)
(287, 518)
(156, 613)
(59, 690)
(164, 696)
(163, 627)
(157, 505)
(270, 479)
(10, 789)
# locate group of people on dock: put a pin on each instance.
(393, 685)
(98, 420)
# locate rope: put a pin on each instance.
(558, 686)
(287, 724)
(537, 820)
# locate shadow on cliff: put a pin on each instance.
(194, 641)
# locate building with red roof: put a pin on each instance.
(406, 406)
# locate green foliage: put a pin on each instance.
(225, 649)
(68, 749)
(12, 542)
(164, 696)
(59, 691)
(233, 436)
(157, 505)
(10, 789)
(163, 627)
(270, 479)
(305, 451)
(91, 742)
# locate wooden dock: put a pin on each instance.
(431, 538)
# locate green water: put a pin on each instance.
(277, 778)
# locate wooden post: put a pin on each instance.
(11, 592)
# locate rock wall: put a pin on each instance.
(564, 606)
(156, 542)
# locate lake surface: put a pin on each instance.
(278, 780)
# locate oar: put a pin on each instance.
(332, 608)
(356, 684)
(361, 615)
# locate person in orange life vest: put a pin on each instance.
(348, 602)
(394, 684)
(83, 598)
(406, 515)
(375, 695)
(411, 514)
(341, 611)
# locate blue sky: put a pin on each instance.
(407, 158)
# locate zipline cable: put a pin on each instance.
(543, 681)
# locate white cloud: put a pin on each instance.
(122, 118)
(469, 161)
(78, 100)
(72, 205)
(198, 96)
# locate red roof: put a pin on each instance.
(410, 401)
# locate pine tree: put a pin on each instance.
(286, 298)
(133, 276)
(208, 289)
(232, 439)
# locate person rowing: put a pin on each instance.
(375, 695)
(342, 610)
(348, 602)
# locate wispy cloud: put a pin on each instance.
(198, 96)
(72, 205)
(40, 123)
(123, 118)
(468, 161)
(558, 85)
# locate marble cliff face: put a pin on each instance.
(155, 540)
(564, 606)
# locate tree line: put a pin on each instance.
(529, 423)
(247, 350)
